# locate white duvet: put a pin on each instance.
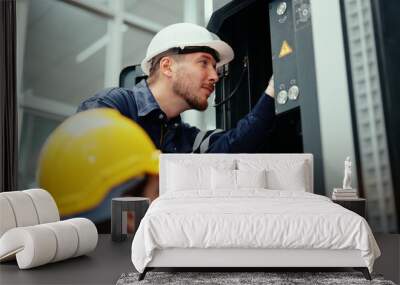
(252, 218)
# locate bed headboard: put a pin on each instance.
(210, 158)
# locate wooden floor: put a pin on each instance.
(389, 262)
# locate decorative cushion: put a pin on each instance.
(251, 178)
(223, 179)
(281, 174)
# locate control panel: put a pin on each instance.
(287, 18)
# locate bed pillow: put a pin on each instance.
(181, 177)
(291, 179)
(223, 179)
(188, 175)
(281, 174)
(251, 178)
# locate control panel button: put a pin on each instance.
(282, 97)
(281, 8)
(293, 92)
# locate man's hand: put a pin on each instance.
(270, 89)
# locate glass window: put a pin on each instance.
(36, 128)
(134, 46)
(159, 11)
(97, 2)
(62, 61)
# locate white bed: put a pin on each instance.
(215, 211)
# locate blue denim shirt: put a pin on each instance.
(175, 136)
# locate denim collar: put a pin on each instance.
(145, 100)
(146, 103)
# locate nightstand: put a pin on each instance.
(121, 209)
(358, 205)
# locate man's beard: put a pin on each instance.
(182, 88)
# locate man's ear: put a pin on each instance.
(166, 66)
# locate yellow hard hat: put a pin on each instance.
(89, 154)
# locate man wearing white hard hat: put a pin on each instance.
(181, 64)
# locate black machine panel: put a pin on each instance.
(286, 23)
(244, 25)
(271, 37)
(130, 76)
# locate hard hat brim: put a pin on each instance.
(224, 51)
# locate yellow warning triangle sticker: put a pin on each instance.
(285, 49)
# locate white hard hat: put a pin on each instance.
(183, 35)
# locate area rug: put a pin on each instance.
(229, 278)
